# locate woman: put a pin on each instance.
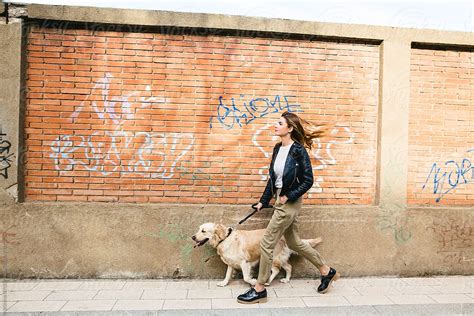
(291, 176)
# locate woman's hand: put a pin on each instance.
(259, 206)
(283, 199)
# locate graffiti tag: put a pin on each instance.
(454, 175)
(230, 116)
(5, 156)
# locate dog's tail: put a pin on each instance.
(313, 242)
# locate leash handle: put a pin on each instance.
(254, 206)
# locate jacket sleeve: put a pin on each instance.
(267, 194)
(307, 178)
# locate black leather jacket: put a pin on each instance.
(297, 174)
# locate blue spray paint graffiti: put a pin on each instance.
(458, 175)
(233, 115)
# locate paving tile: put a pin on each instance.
(310, 291)
(298, 283)
(352, 282)
(385, 282)
(456, 279)
(369, 300)
(102, 285)
(411, 299)
(233, 284)
(452, 298)
(231, 303)
(141, 285)
(24, 296)
(118, 295)
(187, 304)
(36, 306)
(188, 285)
(420, 289)
(88, 305)
(325, 301)
(221, 293)
(58, 285)
(138, 305)
(70, 295)
(461, 288)
(422, 281)
(18, 286)
(377, 290)
(164, 294)
(425, 309)
(5, 305)
(275, 302)
(336, 290)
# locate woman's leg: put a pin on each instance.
(295, 243)
(275, 229)
(304, 249)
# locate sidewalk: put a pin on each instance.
(452, 295)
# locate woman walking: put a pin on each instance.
(291, 176)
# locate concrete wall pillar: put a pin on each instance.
(11, 133)
(393, 124)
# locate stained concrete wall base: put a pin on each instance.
(95, 240)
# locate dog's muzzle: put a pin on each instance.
(199, 242)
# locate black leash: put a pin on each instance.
(255, 210)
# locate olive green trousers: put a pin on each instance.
(284, 223)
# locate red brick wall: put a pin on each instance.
(441, 137)
(149, 117)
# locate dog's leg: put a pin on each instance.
(275, 271)
(246, 269)
(287, 267)
(228, 275)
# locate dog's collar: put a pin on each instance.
(229, 231)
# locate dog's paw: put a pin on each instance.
(284, 280)
(222, 284)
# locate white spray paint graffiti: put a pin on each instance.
(107, 157)
(156, 154)
(324, 156)
(110, 110)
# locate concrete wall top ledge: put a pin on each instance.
(219, 21)
(31, 206)
(121, 205)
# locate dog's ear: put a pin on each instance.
(221, 231)
(219, 234)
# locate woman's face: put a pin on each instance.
(281, 127)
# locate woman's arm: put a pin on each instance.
(267, 193)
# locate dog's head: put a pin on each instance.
(210, 232)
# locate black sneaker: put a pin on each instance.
(252, 297)
(326, 280)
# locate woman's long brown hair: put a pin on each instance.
(303, 131)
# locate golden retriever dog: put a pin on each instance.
(240, 250)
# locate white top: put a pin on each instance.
(279, 165)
